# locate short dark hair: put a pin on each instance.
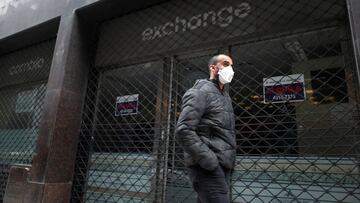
(213, 60)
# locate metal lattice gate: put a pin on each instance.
(23, 78)
(295, 96)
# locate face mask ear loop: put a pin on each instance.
(217, 74)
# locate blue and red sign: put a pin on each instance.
(281, 89)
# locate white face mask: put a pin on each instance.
(226, 74)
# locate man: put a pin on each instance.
(206, 132)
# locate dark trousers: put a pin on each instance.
(211, 186)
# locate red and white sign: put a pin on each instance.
(281, 89)
(127, 105)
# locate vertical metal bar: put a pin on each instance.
(168, 126)
(353, 10)
(173, 156)
(158, 139)
(99, 80)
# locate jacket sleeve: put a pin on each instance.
(193, 108)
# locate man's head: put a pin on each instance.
(220, 68)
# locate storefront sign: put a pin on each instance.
(27, 67)
(127, 105)
(280, 89)
(184, 24)
(222, 17)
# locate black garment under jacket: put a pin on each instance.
(206, 126)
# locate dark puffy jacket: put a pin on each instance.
(206, 126)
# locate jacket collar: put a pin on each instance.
(216, 83)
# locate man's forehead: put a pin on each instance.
(223, 58)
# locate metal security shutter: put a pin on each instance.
(295, 97)
(23, 78)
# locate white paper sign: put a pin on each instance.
(127, 105)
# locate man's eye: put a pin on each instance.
(226, 64)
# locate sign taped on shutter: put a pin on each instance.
(281, 89)
(127, 105)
